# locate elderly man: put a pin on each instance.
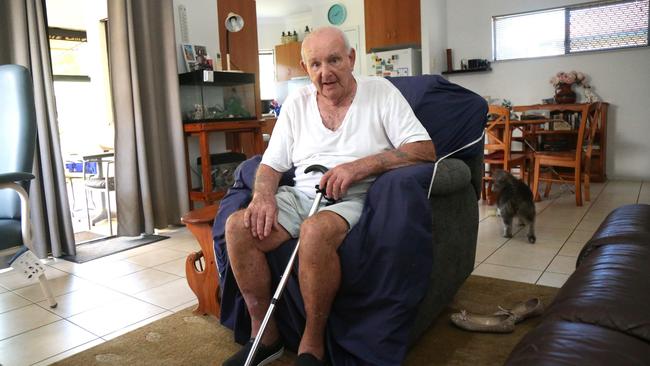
(358, 128)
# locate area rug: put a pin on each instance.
(186, 339)
(83, 236)
(103, 247)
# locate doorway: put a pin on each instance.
(77, 31)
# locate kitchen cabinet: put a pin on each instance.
(287, 61)
(392, 24)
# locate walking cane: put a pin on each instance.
(285, 276)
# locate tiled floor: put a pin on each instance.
(97, 300)
(562, 229)
(105, 298)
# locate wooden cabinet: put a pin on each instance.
(392, 24)
(287, 61)
(241, 136)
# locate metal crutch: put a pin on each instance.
(287, 270)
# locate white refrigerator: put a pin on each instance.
(404, 62)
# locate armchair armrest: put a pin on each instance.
(452, 175)
(15, 177)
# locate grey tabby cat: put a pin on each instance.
(514, 199)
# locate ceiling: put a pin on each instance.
(283, 8)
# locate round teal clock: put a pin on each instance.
(336, 14)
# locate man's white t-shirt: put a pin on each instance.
(379, 118)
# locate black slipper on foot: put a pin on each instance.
(264, 355)
(307, 359)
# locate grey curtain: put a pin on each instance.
(23, 41)
(150, 166)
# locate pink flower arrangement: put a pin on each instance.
(572, 77)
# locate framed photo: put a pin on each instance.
(201, 56)
(188, 52)
(189, 55)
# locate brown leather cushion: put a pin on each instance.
(626, 224)
(610, 288)
(600, 316)
(567, 343)
(629, 221)
(611, 285)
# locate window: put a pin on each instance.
(573, 29)
(69, 54)
(267, 74)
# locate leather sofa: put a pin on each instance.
(600, 316)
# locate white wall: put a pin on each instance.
(269, 30)
(621, 78)
(433, 25)
(202, 30)
(201, 25)
(354, 20)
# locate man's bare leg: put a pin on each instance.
(319, 274)
(252, 272)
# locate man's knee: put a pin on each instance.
(238, 234)
(235, 224)
(323, 231)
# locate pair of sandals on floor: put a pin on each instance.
(502, 321)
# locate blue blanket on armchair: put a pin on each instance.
(385, 259)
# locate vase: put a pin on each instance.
(564, 94)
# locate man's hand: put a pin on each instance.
(261, 215)
(338, 179)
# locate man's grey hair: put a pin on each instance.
(346, 42)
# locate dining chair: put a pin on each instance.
(498, 148)
(102, 180)
(578, 160)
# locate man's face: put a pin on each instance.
(328, 64)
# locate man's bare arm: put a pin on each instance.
(338, 180)
(407, 154)
(261, 215)
(267, 180)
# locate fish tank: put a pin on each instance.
(216, 96)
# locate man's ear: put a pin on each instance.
(352, 56)
(304, 67)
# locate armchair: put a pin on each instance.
(17, 145)
(407, 256)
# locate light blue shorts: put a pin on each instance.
(294, 206)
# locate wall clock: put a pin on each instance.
(336, 14)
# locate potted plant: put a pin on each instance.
(563, 83)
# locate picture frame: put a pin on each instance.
(189, 56)
(201, 58)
